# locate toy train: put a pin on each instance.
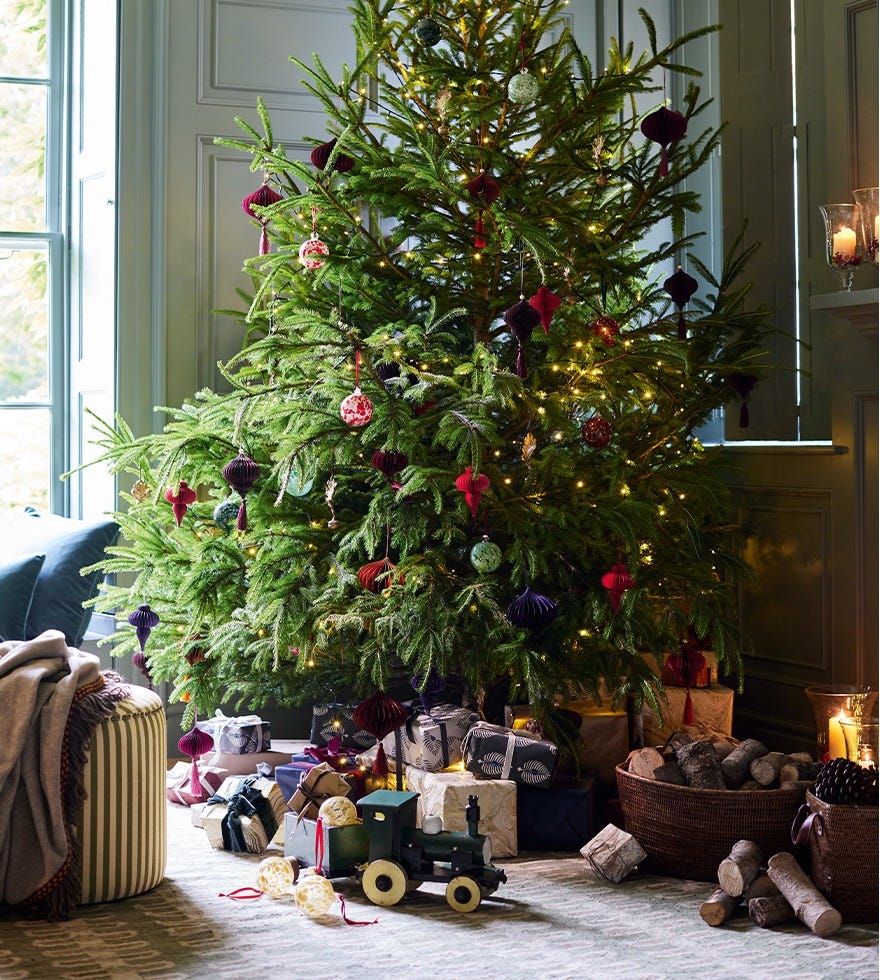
(392, 856)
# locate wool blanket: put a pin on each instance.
(51, 698)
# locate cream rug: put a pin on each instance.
(549, 922)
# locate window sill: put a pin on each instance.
(860, 307)
(785, 448)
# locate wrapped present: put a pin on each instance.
(245, 735)
(604, 737)
(558, 817)
(245, 765)
(712, 708)
(344, 848)
(444, 794)
(244, 814)
(318, 784)
(501, 753)
(335, 719)
(431, 741)
(343, 761)
(178, 788)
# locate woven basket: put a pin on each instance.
(843, 855)
(688, 832)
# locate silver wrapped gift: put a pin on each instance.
(431, 741)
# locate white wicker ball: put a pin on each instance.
(276, 876)
(314, 894)
(337, 811)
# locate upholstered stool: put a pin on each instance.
(122, 824)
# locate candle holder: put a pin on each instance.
(868, 201)
(830, 706)
(862, 740)
(840, 240)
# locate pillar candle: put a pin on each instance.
(844, 243)
(836, 741)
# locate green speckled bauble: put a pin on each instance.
(523, 88)
(485, 556)
(428, 31)
(225, 514)
(298, 486)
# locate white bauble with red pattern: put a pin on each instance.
(356, 410)
(312, 252)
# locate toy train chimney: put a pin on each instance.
(472, 815)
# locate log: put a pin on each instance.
(719, 907)
(723, 749)
(750, 784)
(800, 757)
(740, 868)
(809, 904)
(761, 887)
(700, 766)
(796, 771)
(670, 773)
(613, 853)
(735, 768)
(800, 784)
(766, 768)
(770, 910)
(643, 762)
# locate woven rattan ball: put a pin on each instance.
(314, 894)
(337, 811)
(276, 876)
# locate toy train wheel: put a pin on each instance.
(463, 894)
(384, 882)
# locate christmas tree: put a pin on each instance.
(459, 440)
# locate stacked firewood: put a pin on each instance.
(723, 763)
(777, 894)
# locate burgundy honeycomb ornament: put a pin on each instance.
(665, 126)
(321, 154)
(617, 581)
(263, 197)
(241, 473)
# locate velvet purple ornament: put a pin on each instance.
(532, 611)
(321, 154)
(484, 185)
(665, 126)
(143, 619)
(194, 744)
(388, 464)
(522, 320)
(263, 197)
(428, 688)
(742, 384)
(241, 473)
(681, 287)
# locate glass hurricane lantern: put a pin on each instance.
(840, 240)
(868, 201)
(830, 706)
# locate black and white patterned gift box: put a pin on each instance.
(431, 741)
(244, 735)
(501, 753)
(335, 719)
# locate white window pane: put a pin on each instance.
(23, 41)
(23, 157)
(24, 457)
(24, 325)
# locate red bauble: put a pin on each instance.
(546, 304)
(607, 328)
(356, 409)
(378, 575)
(180, 500)
(596, 432)
(617, 581)
(472, 487)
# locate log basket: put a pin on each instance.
(688, 832)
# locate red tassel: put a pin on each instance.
(380, 766)
(521, 368)
(264, 242)
(195, 785)
(688, 716)
(479, 233)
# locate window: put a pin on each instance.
(57, 247)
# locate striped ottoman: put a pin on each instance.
(122, 824)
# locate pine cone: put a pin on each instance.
(844, 782)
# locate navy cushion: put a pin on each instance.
(17, 580)
(69, 545)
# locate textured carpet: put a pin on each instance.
(549, 922)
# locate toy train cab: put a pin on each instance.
(401, 855)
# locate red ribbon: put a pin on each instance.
(319, 846)
(242, 894)
(331, 752)
(353, 922)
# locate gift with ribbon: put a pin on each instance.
(431, 740)
(495, 752)
(318, 784)
(335, 719)
(245, 735)
(244, 814)
(339, 758)
(178, 787)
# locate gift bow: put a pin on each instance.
(331, 752)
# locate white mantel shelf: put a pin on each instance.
(860, 307)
